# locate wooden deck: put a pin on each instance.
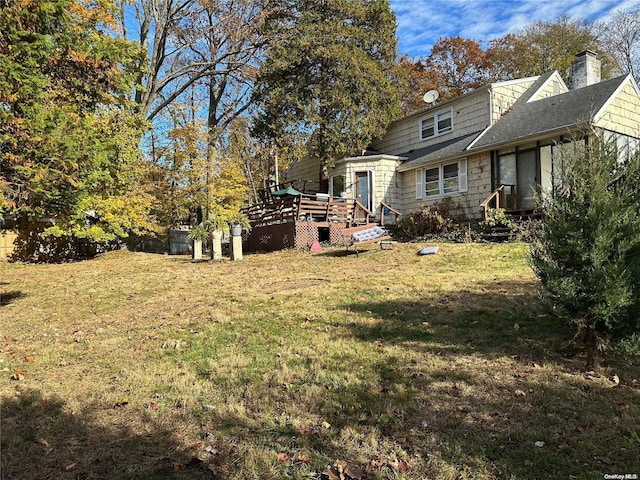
(296, 221)
(306, 208)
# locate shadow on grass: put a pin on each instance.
(498, 320)
(465, 386)
(445, 421)
(8, 297)
(42, 439)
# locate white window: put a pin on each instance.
(337, 186)
(437, 124)
(440, 180)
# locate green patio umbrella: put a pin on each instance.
(286, 191)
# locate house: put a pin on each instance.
(493, 147)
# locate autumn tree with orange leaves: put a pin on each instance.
(455, 66)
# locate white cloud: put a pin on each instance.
(422, 22)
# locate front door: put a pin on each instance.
(363, 187)
(527, 178)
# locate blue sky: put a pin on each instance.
(422, 22)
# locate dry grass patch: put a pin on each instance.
(135, 366)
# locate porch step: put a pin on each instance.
(497, 235)
(524, 213)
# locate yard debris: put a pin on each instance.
(539, 444)
(340, 470)
(331, 472)
(211, 449)
(354, 473)
(18, 375)
(303, 458)
(616, 380)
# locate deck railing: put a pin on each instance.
(276, 210)
(310, 208)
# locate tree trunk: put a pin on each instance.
(590, 347)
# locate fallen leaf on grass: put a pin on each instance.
(282, 457)
(19, 375)
(303, 458)
(211, 449)
(353, 473)
(376, 463)
(70, 466)
(520, 393)
(340, 465)
(539, 444)
(399, 466)
(331, 472)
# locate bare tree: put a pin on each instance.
(620, 36)
(194, 43)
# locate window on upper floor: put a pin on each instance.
(437, 124)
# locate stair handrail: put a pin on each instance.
(358, 204)
(383, 205)
(494, 195)
(497, 195)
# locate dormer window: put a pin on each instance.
(437, 124)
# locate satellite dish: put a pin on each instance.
(431, 96)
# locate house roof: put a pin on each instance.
(438, 151)
(553, 114)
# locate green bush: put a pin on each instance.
(587, 253)
(629, 347)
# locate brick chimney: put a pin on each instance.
(585, 69)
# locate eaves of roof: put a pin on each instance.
(452, 148)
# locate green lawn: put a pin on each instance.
(384, 366)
